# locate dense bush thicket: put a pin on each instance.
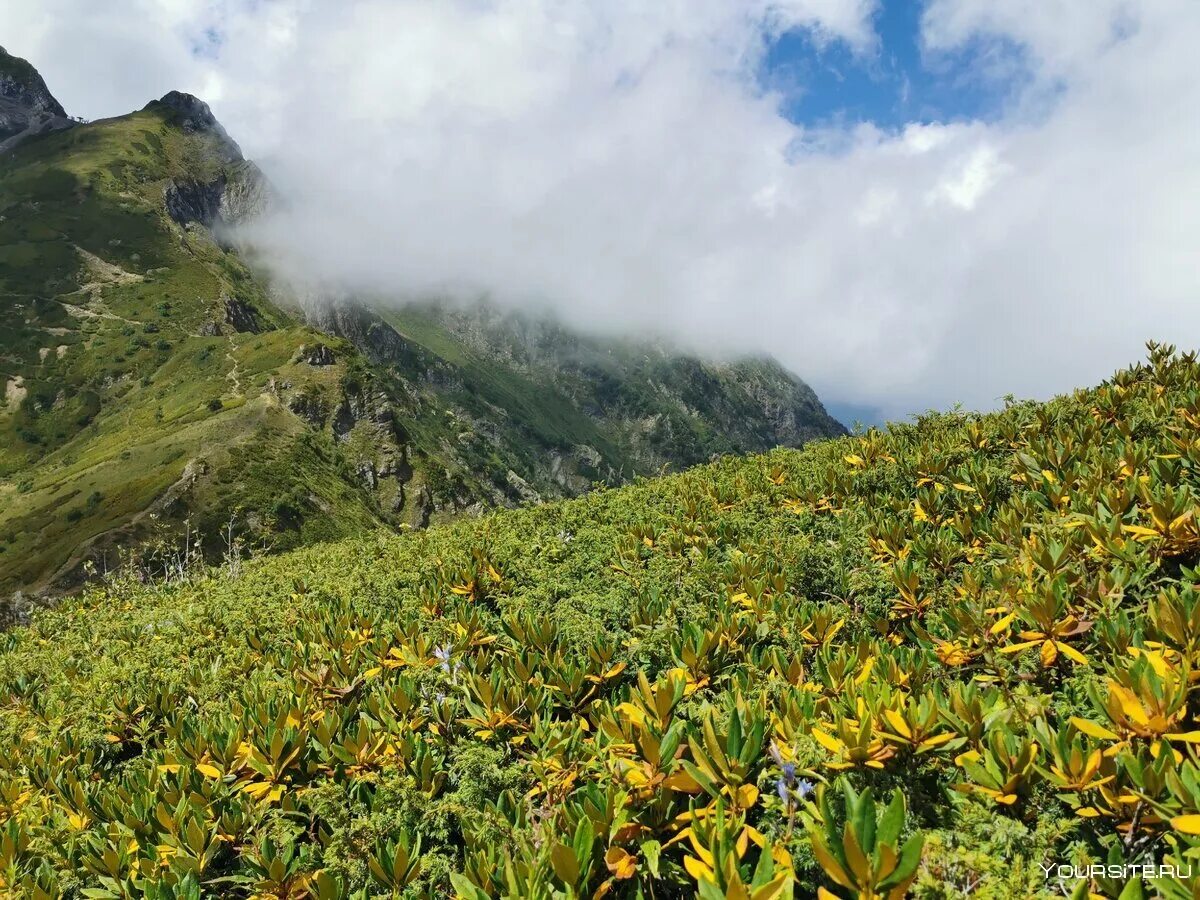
(930, 660)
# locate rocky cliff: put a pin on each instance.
(27, 107)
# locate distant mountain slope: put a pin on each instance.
(149, 377)
(576, 409)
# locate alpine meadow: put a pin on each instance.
(329, 574)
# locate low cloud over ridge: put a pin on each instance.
(621, 163)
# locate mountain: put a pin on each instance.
(696, 685)
(156, 381)
(27, 107)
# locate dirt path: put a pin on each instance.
(102, 275)
(234, 374)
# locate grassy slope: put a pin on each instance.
(112, 388)
(968, 610)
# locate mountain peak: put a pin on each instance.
(194, 115)
(26, 105)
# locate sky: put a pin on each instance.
(910, 204)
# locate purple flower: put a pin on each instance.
(442, 654)
(784, 791)
(805, 788)
(789, 773)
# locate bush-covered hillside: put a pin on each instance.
(932, 659)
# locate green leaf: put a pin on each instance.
(733, 742)
(651, 851)
(466, 889)
(566, 866)
(893, 819)
(910, 858)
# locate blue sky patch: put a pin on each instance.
(825, 83)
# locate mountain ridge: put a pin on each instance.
(158, 380)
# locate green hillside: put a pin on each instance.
(153, 384)
(129, 395)
(933, 659)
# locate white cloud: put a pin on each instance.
(619, 162)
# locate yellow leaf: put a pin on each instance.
(697, 869)
(635, 715)
(937, 740)
(622, 864)
(747, 796)
(208, 770)
(1049, 653)
(830, 743)
(1189, 824)
(565, 865)
(898, 723)
(830, 864)
(682, 781)
(1130, 704)
(1002, 624)
(865, 672)
(1017, 648)
(1071, 653)
(1093, 730)
(1139, 532)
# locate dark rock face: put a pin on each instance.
(238, 193)
(228, 200)
(363, 328)
(317, 355)
(242, 316)
(371, 407)
(192, 201)
(27, 107)
(309, 408)
(193, 116)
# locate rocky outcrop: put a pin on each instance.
(27, 107)
(228, 200)
(194, 201)
(365, 406)
(193, 116)
(363, 328)
(316, 355)
(241, 315)
(310, 408)
(238, 192)
(245, 195)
